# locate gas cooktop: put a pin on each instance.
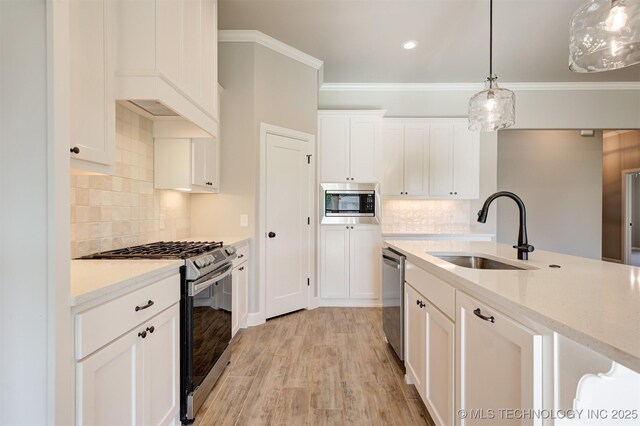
(160, 250)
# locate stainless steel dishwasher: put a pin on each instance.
(393, 299)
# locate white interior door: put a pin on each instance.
(287, 201)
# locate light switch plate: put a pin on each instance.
(244, 220)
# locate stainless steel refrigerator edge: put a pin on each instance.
(393, 299)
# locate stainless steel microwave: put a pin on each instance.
(350, 203)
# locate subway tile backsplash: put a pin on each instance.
(425, 216)
(110, 212)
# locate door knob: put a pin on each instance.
(271, 234)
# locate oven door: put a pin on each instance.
(207, 332)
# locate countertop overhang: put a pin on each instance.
(593, 302)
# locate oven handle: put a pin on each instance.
(225, 271)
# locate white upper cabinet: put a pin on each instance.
(92, 106)
(166, 51)
(454, 161)
(430, 158)
(187, 164)
(349, 145)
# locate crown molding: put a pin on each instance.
(253, 36)
(473, 87)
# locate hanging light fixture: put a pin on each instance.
(493, 108)
(605, 35)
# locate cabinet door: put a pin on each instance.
(334, 261)
(92, 110)
(364, 146)
(392, 183)
(441, 160)
(415, 338)
(416, 159)
(334, 146)
(199, 158)
(192, 49)
(499, 363)
(109, 384)
(364, 262)
(161, 352)
(240, 280)
(440, 385)
(212, 164)
(466, 162)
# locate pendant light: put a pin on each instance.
(605, 35)
(493, 108)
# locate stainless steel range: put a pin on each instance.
(205, 312)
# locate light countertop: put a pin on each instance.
(95, 279)
(434, 235)
(592, 302)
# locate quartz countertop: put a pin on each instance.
(99, 279)
(440, 235)
(593, 302)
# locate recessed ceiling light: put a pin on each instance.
(410, 44)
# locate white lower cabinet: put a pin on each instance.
(240, 285)
(134, 379)
(350, 262)
(430, 354)
(498, 365)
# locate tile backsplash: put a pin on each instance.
(110, 212)
(425, 216)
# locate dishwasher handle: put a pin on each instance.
(391, 261)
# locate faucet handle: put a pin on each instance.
(525, 247)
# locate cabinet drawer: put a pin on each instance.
(439, 293)
(242, 254)
(98, 326)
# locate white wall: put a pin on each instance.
(558, 175)
(35, 346)
(260, 85)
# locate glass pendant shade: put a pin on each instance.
(492, 109)
(605, 35)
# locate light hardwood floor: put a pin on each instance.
(328, 366)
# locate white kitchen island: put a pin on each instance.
(491, 338)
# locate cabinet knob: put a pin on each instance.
(271, 235)
(455, 193)
(241, 268)
(240, 256)
(142, 334)
(151, 329)
(351, 178)
(451, 193)
(75, 150)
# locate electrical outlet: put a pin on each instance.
(244, 220)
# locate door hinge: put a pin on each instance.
(308, 281)
(308, 158)
(308, 220)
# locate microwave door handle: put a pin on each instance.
(225, 272)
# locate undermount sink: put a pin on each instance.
(476, 262)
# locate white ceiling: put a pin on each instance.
(360, 40)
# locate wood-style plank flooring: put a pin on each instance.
(328, 366)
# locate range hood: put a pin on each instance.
(154, 108)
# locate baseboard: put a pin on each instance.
(608, 259)
(314, 303)
(255, 318)
(350, 303)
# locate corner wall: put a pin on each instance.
(260, 85)
(558, 175)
